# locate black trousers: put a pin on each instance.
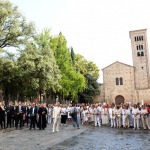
(9, 119)
(2, 121)
(18, 120)
(33, 121)
(63, 119)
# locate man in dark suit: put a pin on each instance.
(19, 115)
(10, 113)
(33, 113)
(24, 111)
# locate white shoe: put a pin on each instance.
(53, 131)
(57, 130)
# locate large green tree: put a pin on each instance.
(38, 67)
(72, 81)
(14, 29)
(91, 73)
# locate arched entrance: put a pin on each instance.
(119, 99)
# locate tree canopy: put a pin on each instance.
(44, 66)
(14, 29)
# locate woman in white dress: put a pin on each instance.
(90, 115)
(126, 116)
(118, 116)
(97, 116)
(68, 113)
(84, 115)
(104, 115)
(112, 112)
(144, 117)
(136, 116)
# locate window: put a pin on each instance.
(142, 53)
(119, 81)
(142, 38)
(138, 38)
(141, 46)
(138, 54)
(135, 38)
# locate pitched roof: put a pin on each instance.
(119, 63)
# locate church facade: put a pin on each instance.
(124, 83)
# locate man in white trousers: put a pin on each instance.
(56, 117)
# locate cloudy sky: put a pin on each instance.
(96, 29)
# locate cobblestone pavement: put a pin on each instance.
(85, 138)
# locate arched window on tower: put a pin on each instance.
(117, 81)
(135, 38)
(139, 38)
(142, 53)
(141, 46)
(137, 47)
(138, 54)
(121, 81)
(142, 38)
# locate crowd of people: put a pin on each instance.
(34, 115)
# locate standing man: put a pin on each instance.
(74, 113)
(24, 113)
(42, 111)
(56, 117)
(19, 115)
(10, 113)
(33, 113)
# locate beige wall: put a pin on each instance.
(100, 98)
(111, 90)
(142, 95)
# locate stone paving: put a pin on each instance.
(69, 138)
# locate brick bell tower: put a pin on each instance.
(140, 55)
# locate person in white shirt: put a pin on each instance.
(90, 114)
(118, 116)
(68, 113)
(136, 116)
(125, 116)
(104, 115)
(112, 112)
(63, 114)
(56, 117)
(97, 115)
(49, 114)
(144, 117)
(84, 115)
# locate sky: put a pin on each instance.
(96, 29)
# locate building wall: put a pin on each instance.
(111, 90)
(100, 98)
(142, 95)
(141, 62)
(136, 78)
